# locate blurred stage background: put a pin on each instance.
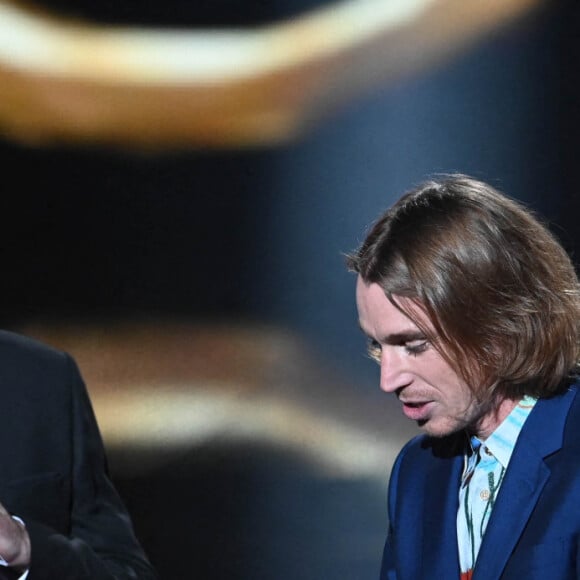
(194, 264)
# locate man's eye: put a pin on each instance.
(374, 350)
(417, 346)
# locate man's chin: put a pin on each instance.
(431, 428)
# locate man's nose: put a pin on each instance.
(392, 369)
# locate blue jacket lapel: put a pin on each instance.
(441, 552)
(436, 521)
(525, 479)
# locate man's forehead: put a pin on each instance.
(396, 315)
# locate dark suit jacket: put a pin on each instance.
(53, 473)
(533, 532)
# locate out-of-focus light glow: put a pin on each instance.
(64, 80)
(185, 418)
(164, 386)
(134, 55)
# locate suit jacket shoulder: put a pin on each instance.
(54, 472)
(535, 524)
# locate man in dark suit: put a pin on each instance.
(472, 310)
(60, 517)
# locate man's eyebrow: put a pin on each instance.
(398, 337)
(403, 337)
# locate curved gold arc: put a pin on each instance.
(68, 81)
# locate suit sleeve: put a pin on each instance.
(388, 571)
(101, 544)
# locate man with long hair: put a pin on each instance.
(472, 310)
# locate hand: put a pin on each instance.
(14, 541)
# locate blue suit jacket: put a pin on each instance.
(533, 532)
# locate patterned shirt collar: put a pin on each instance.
(502, 441)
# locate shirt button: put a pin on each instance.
(488, 452)
(484, 494)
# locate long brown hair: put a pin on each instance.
(500, 291)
